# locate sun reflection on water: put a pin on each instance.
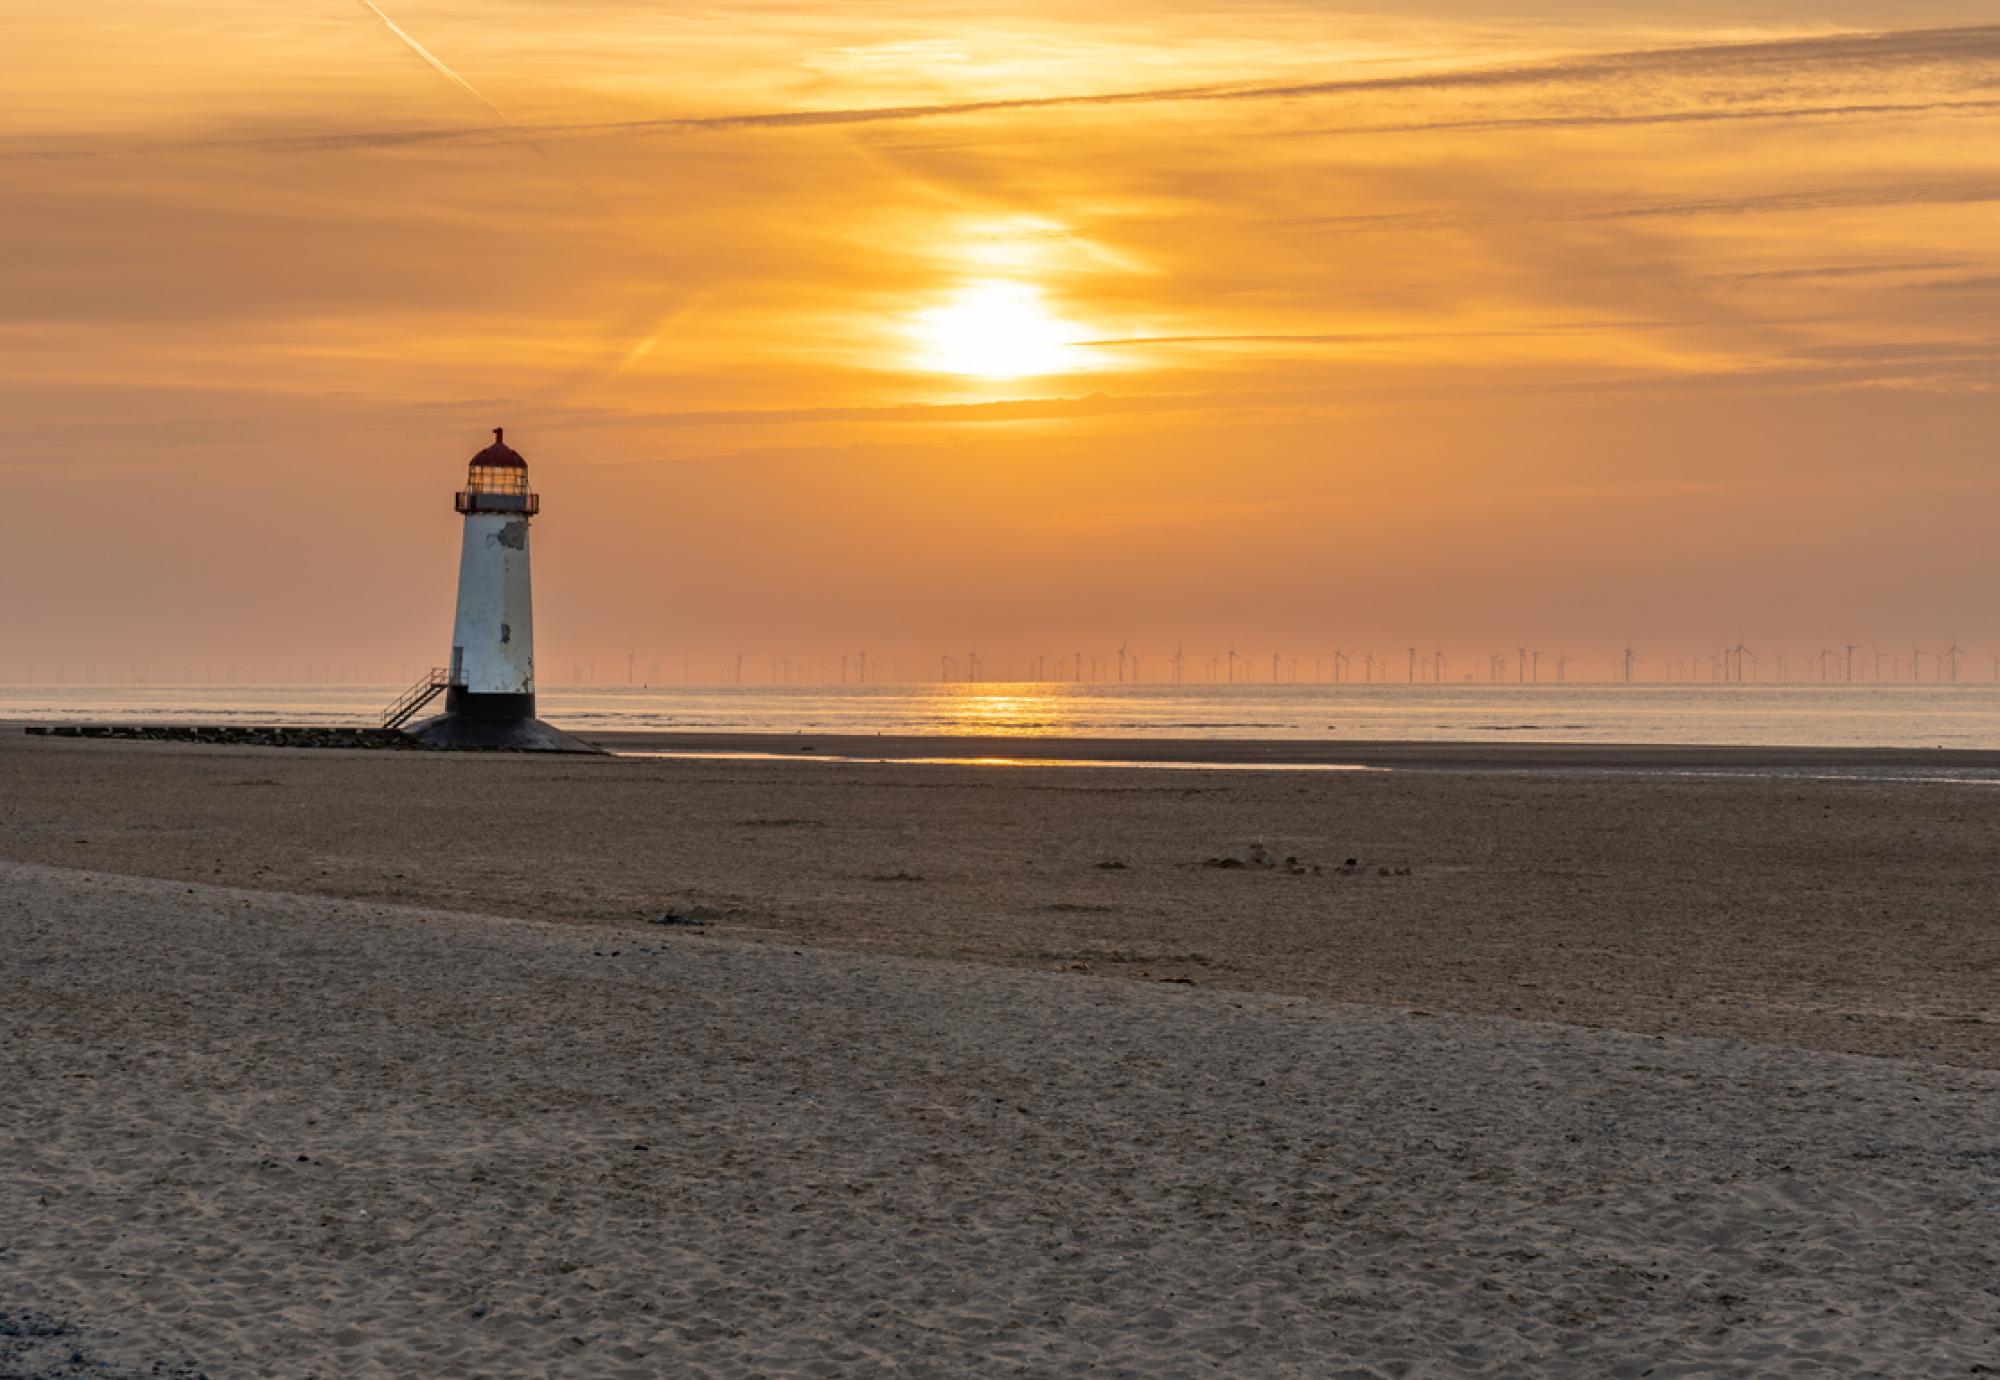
(1011, 710)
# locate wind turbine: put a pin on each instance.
(1413, 666)
(1121, 662)
(1739, 651)
(1948, 659)
(1180, 661)
(1232, 663)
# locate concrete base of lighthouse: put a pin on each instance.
(494, 723)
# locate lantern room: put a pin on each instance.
(497, 481)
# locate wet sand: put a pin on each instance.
(1289, 752)
(1850, 915)
(250, 1133)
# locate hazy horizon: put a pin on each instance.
(1013, 328)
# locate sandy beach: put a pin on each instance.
(331, 1063)
(1846, 915)
(288, 1135)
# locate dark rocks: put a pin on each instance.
(314, 736)
(672, 917)
(530, 735)
(34, 1346)
(31, 1325)
(1257, 857)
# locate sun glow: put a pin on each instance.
(996, 329)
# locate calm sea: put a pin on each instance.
(1959, 716)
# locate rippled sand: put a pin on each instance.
(276, 1134)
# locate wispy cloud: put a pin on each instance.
(1828, 271)
(1985, 282)
(1821, 199)
(1526, 331)
(1610, 120)
(1822, 54)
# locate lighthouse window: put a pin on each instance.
(497, 479)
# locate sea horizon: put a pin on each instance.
(1933, 715)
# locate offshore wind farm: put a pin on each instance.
(1894, 715)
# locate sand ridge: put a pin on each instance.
(296, 1135)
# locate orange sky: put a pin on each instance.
(1021, 327)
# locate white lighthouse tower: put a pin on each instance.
(493, 637)
(489, 687)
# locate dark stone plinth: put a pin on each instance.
(487, 734)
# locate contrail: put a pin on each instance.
(436, 65)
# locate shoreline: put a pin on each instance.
(1356, 754)
(1027, 750)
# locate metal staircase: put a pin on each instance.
(435, 682)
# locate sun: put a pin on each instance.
(994, 329)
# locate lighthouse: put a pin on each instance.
(489, 685)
